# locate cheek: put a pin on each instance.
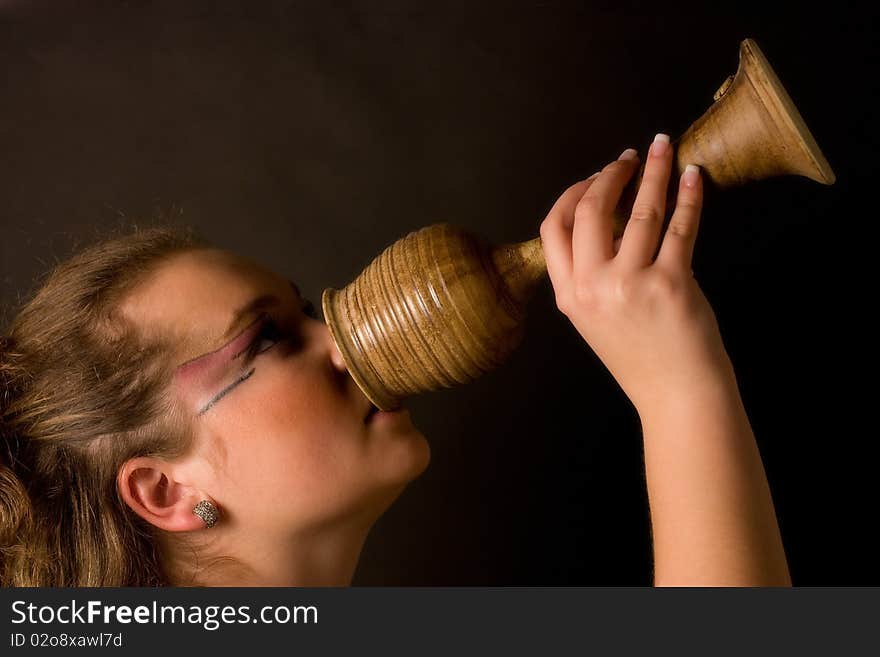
(292, 437)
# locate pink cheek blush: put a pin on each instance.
(201, 381)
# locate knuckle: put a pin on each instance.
(688, 203)
(617, 165)
(588, 203)
(645, 212)
(679, 228)
(576, 186)
(585, 293)
(664, 286)
(623, 289)
(544, 229)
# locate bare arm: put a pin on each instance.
(711, 512)
(643, 313)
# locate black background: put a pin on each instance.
(311, 135)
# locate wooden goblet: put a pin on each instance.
(439, 307)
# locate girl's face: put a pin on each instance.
(283, 438)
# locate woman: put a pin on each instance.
(173, 414)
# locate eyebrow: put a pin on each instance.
(253, 306)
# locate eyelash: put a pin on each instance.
(270, 331)
(309, 309)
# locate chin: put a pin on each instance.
(406, 460)
(417, 457)
(426, 456)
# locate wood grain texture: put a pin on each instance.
(439, 307)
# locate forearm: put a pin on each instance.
(712, 514)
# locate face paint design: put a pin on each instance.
(203, 381)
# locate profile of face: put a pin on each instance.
(285, 441)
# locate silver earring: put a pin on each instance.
(208, 512)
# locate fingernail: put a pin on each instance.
(661, 143)
(629, 154)
(691, 175)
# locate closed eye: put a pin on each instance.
(268, 337)
(270, 334)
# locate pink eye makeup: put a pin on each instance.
(202, 379)
(267, 337)
(205, 380)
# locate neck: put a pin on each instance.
(318, 557)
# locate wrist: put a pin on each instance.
(713, 390)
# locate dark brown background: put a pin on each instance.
(311, 135)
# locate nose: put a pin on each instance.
(335, 355)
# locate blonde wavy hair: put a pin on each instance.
(82, 391)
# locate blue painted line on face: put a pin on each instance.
(226, 391)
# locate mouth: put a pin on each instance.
(371, 412)
(375, 414)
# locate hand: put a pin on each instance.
(645, 317)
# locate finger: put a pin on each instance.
(642, 232)
(677, 249)
(593, 233)
(556, 231)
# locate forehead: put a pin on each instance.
(190, 296)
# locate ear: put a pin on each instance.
(149, 487)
